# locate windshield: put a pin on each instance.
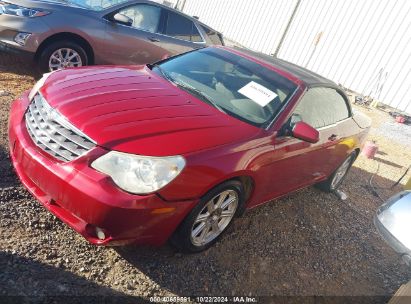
(95, 5)
(233, 84)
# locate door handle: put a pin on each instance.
(153, 39)
(332, 137)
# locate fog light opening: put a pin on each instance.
(407, 259)
(21, 38)
(100, 233)
(96, 232)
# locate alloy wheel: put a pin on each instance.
(214, 217)
(340, 173)
(64, 58)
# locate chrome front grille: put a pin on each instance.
(53, 133)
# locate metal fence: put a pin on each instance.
(363, 45)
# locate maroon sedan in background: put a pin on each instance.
(177, 149)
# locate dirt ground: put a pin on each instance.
(307, 243)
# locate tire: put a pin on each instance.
(183, 238)
(50, 49)
(336, 179)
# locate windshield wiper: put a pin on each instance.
(162, 72)
(186, 87)
(199, 93)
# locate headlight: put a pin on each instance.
(16, 10)
(139, 174)
(38, 85)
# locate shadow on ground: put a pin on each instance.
(13, 64)
(23, 280)
(386, 162)
(308, 243)
(7, 175)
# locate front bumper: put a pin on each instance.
(394, 243)
(84, 198)
(10, 26)
(14, 50)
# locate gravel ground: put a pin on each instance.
(307, 243)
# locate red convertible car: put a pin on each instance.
(177, 149)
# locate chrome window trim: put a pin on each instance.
(203, 42)
(334, 124)
(156, 33)
(201, 35)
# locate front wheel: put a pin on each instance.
(336, 179)
(210, 218)
(62, 54)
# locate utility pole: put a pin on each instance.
(287, 28)
(183, 6)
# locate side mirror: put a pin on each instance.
(393, 222)
(122, 19)
(304, 131)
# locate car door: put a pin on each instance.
(181, 34)
(296, 163)
(139, 43)
(327, 110)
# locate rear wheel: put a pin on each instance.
(62, 54)
(210, 218)
(336, 179)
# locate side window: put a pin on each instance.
(182, 28)
(321, 107)
(214, 36)
(145, 17)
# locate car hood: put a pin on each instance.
(133, 110)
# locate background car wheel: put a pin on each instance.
(62, 54)
(336, 179)
(210, 218)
